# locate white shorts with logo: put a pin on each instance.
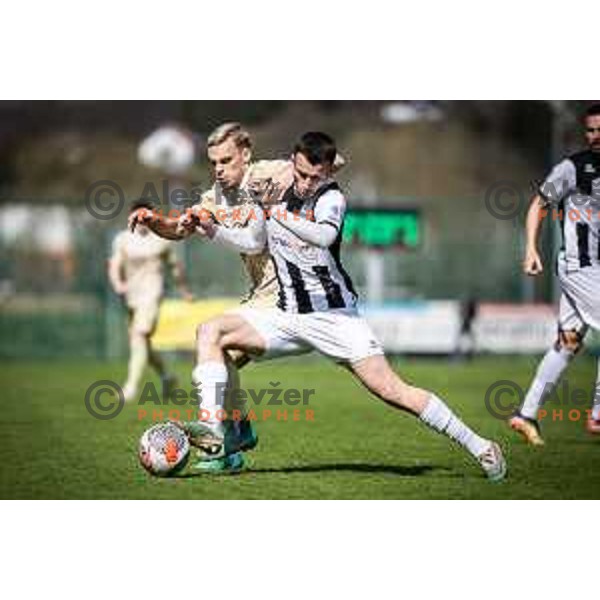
(343, 336)
(580, 299)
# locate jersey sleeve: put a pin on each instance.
(328, 217)
(331, 208)
(561, 181)
(250, 239)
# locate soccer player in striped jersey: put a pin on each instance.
(231, 201)
(572, 192)
(317, 307)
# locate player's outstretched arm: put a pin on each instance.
(164, 227)
(250, 239)
(532, 262)
(319, 234)
(169, 229)
(329, 215)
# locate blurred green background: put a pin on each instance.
(439, 158)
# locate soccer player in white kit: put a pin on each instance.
(572, 192)
(316, 308)
(136, 273)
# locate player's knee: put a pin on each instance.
(389, 389)
(569, 340)
(209, 333)
(138, 335)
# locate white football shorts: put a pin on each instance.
(143, 317)
(580, 299)
(343, 336)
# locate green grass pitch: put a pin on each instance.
(356, 447)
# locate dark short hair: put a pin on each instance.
(317, 147)
(592, 111)
(141, 203)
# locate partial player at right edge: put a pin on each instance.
(572, 191)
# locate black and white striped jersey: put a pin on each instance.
(572, 192)
(311, 276)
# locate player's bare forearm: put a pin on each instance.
(533, 224)
(532, 262)
(167, 228)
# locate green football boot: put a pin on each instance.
(227, 465)
(247, 438)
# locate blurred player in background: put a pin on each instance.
(465, 343)
(573, 188)
(316, 308)
(136, 274)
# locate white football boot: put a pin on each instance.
(493, 463)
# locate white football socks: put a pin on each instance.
(211, 379)
(138, 358)
(596, 406)
(439, 417)
(548, 373)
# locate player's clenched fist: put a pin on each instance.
(188, 221)
(532, 263)
(196, 220)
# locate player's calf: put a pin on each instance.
(377, 375)
(549, 371)
(215, 376)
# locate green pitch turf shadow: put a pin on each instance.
(403, 471)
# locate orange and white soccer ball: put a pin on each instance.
(164, 449)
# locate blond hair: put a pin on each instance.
(235, 131)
